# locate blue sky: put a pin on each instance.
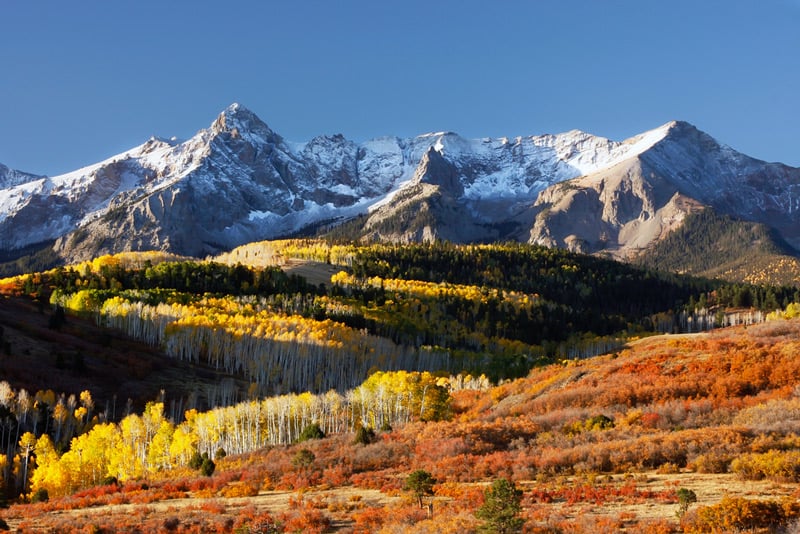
(82, 81)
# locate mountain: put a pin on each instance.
(231, 183)
(625, 208)
(239, 181)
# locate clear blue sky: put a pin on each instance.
(81, 81)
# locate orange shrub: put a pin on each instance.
(249, 520)
(368, 521)
(734, 514)
(241, 489)
(337, 475)
(712, 462)
(213, 506)
(307, 519)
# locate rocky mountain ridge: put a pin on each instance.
(239, 181)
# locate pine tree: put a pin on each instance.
(420, 483)
(501, 508)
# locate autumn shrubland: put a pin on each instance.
(440, 380)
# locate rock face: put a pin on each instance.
(620, 210)
(238, 181)
(624, 208)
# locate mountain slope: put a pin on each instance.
(599, 445)
(713, 245)
(158, 195)
(11, 177)
(614, 210)
(628, 197)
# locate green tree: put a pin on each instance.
(303, 459)
(197, 460)
(420, 483)
(312, 431)
(685, 498)
(207, 467)
(40, 495)
(364, 435)
(501, 508)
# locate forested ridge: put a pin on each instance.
(386, 342)
(494, 309)
(715, 245)
(498, 309)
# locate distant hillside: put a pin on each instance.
(29, 259)
(719, 246)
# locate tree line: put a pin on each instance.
(44, 455)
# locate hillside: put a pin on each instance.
(121, 372)
(498, 310)
(230, 363)
(717, 246)
(599, 445)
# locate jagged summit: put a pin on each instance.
(239, 181)
(434, 169)
(237, 113)
(237, 121)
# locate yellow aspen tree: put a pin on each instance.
(89, 457)
(27, 444)
(158, 453)
(130, 461)
(60, 416)
(183, 444)
(88, 403)
(49, 473)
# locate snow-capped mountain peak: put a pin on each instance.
(238, 121)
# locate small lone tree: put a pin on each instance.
(420, 483)
(685, 498)
(197, 459)
(40, 495)
(303, 459)
(312, 431)
(501, 508)
(364, 435)
(207, 467)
